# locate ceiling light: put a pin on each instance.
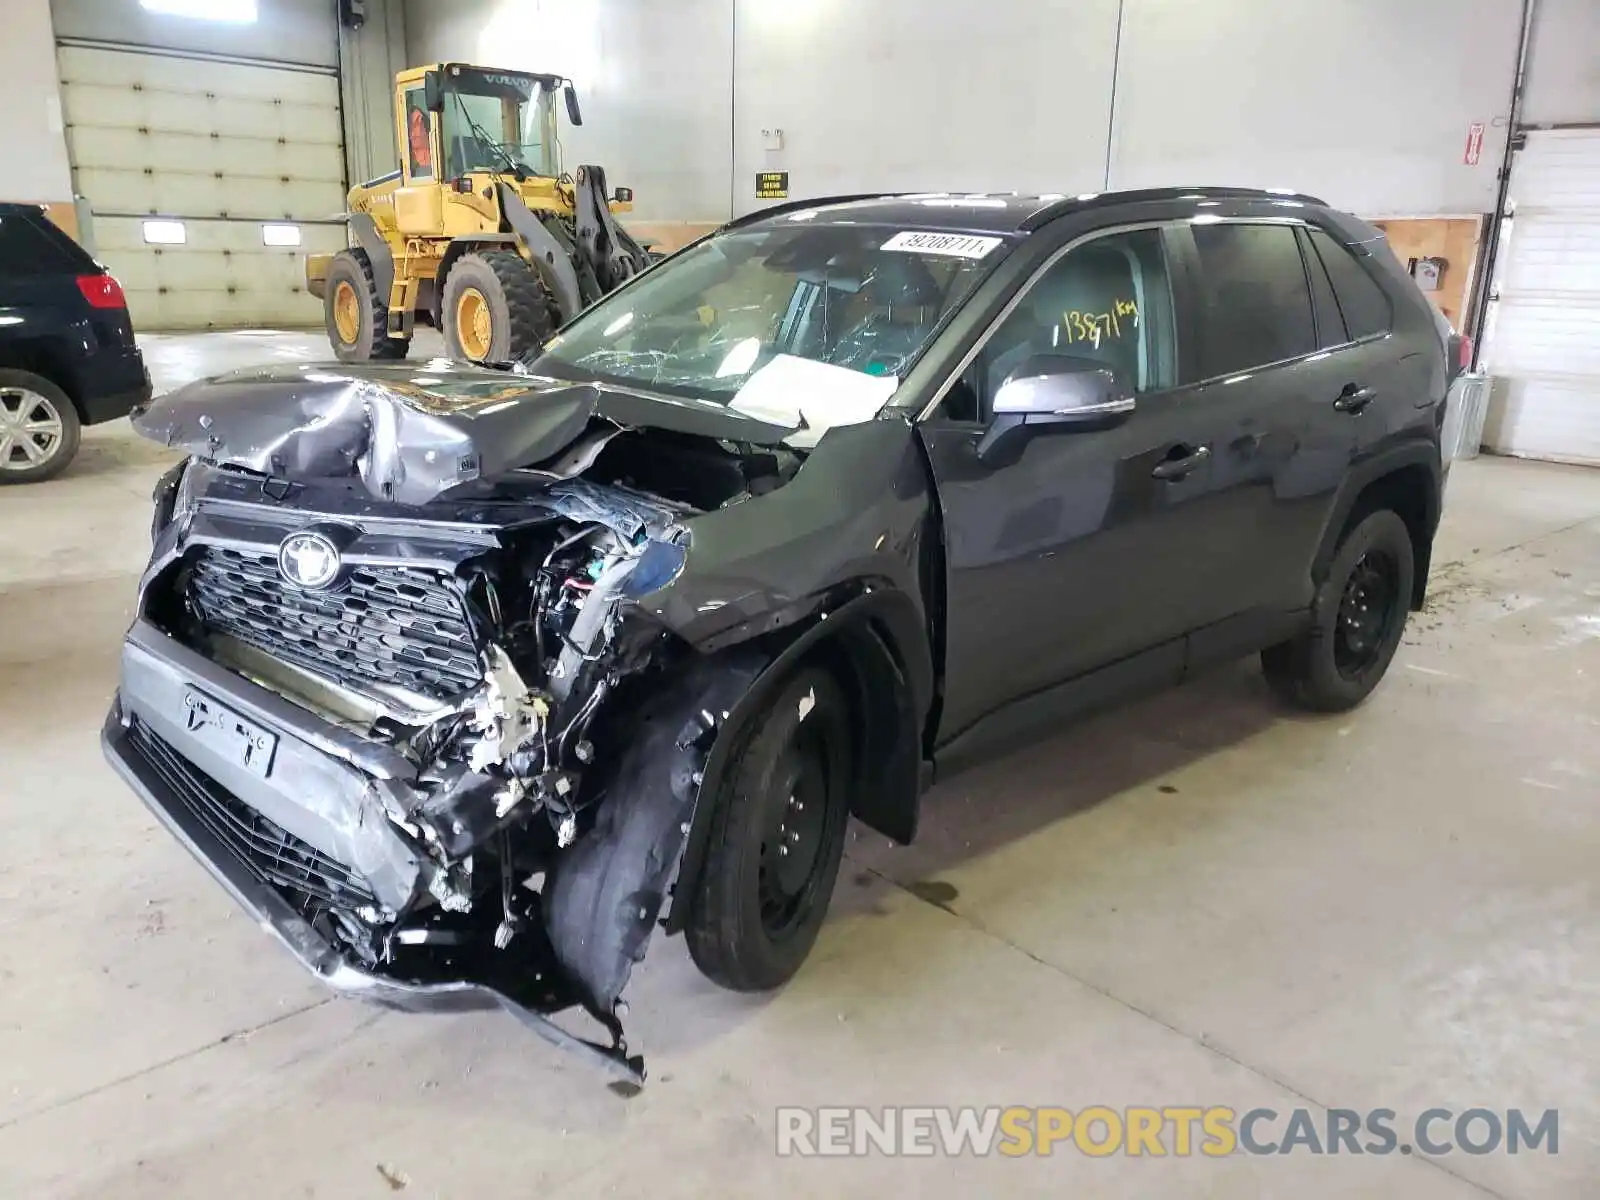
(238, 12)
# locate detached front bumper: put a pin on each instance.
(166, 782)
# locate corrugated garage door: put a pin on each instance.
(1544, 335)
(226, 156)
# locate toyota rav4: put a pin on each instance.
(462, 681)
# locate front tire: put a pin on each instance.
(39, 428)
(495, 308)
(1358, 618)
(777, 837)
(357, 318)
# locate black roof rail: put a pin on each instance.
(1059, 208)
(812, 202)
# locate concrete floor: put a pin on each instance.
(1196, 900)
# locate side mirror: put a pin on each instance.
(433, 92)
(570, 94)
(1053, 393)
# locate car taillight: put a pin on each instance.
(102, 291)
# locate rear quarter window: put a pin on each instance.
(1362, 302)
(30, 245)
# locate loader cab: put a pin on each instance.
(417, 129)
(457, 120)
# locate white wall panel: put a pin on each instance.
(655, 81)
(1366, 103)
(1563, 82)
(33, 156)
(964, 95)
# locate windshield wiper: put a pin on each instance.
(483, 138)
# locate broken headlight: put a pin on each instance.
(658, 565)
(174, 496)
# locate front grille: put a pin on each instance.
(311, 879)
(402, 626)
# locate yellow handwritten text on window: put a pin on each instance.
(1092, 327)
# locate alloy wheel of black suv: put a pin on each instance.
(39, 428)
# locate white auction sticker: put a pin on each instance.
(961, 245)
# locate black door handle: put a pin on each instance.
(1354, 398)
(1177, 468)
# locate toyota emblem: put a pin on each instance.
(308, 560)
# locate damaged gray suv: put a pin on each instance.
(463, 681)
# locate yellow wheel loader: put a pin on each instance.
(479, 233)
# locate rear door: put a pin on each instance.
(1364, 387)
(1284, 434)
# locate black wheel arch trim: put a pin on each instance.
(876, 621)
(1363, 475)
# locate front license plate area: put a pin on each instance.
(239, 741)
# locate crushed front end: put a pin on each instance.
(389, 729)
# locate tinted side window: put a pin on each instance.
(1109, 300)
(1255, 304)
(1365, 307)
(27, 250)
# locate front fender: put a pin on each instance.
(877, 640)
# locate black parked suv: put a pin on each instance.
(67, 355)
(457, 679)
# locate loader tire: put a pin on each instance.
(496, 309)
(356, 316)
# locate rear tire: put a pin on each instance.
(777, 837)
(495, 308)
(39, 428)
(357, 318)
(1358, 618)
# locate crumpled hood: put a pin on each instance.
(411, 431)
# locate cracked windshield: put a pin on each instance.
(804, 326)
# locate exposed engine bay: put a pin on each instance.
(492, 643)
(443, 673)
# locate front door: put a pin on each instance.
(1092, 546)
